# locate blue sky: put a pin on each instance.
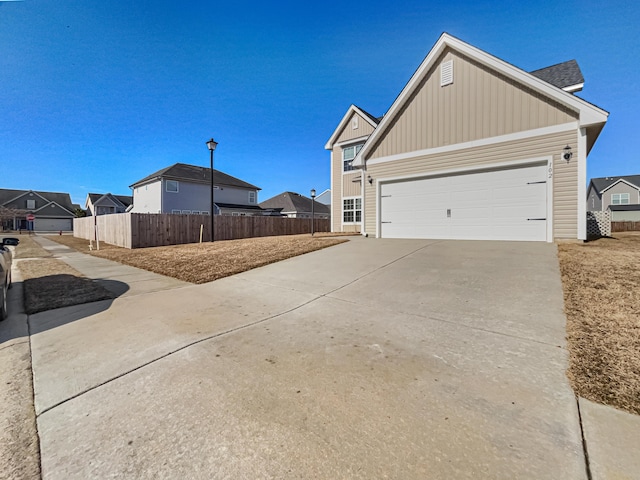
(96, 95)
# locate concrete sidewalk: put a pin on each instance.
(371, 359)
(120, 279)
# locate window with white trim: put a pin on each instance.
(352, 210)
(619, 199)
(348, 154)
(176, 212)
(252, 197)
(171, 186)
(31, 204)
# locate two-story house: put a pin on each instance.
(106, 203)
(186, 189)
(51, 211)
(620, 194)
(472, 148)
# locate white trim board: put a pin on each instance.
(510, 137)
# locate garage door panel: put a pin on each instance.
(499, 204)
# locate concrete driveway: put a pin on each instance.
(405, 359)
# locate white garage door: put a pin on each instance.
(495, 205)
(53, 224)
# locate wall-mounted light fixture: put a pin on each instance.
(567, 153)
(370, 180)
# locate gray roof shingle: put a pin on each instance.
(194, 173)
(604, 182)
(561, 75)
(62, 199)
(294, 202)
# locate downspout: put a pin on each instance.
(582, 182)
(363, 178)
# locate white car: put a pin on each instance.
(5, 273)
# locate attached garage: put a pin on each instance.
(500, 204)
(53, 224)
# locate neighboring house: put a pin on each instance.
(472, 148)
(104, 204)
(621, 195)
(325, 197)
(294, 205)
(186, 189)
(53, 211)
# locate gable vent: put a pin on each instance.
(446, 73)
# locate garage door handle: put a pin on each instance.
(536, 219)
(533, 183)
(385, 222)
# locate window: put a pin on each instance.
(204, 212)
(352, 210)
(348, 154)
(176, 211)
(619, 199)
(252, 197)
(172, 186)
(186, 212)
(31, 204)
(195, 212)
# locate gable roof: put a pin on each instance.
(8, 196)
(565, 75)
(124, 200)
(294, 202)
(604, 183)
(196, 174)
(373, 121)
(589, 115)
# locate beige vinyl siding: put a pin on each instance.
(480, 103)
(351, 184)
(564, 174)
(342, 184)
(349, 133)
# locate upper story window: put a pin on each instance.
(348, 154)
(172, 186)
(619, 199)
(31, 204)
(252, 197)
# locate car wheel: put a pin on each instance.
(3, 302)
(9, 280)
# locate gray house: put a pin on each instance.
(106, 203)
(186, 189)
(620, 194)
(294, 205)
(52, 211)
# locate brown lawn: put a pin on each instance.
(205, 262)
(601, 281)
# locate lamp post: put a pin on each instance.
(313, 215)
(211, 145)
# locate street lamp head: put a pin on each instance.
(313, 193)
(212, 144)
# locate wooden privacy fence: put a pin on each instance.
(139, 230)
(620, 226)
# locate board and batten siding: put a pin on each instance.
(565, 194)
(342, 185)
(480, 103)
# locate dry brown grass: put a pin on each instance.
(51, 283)
(205, 262)
(28, 248)
(601, 281)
